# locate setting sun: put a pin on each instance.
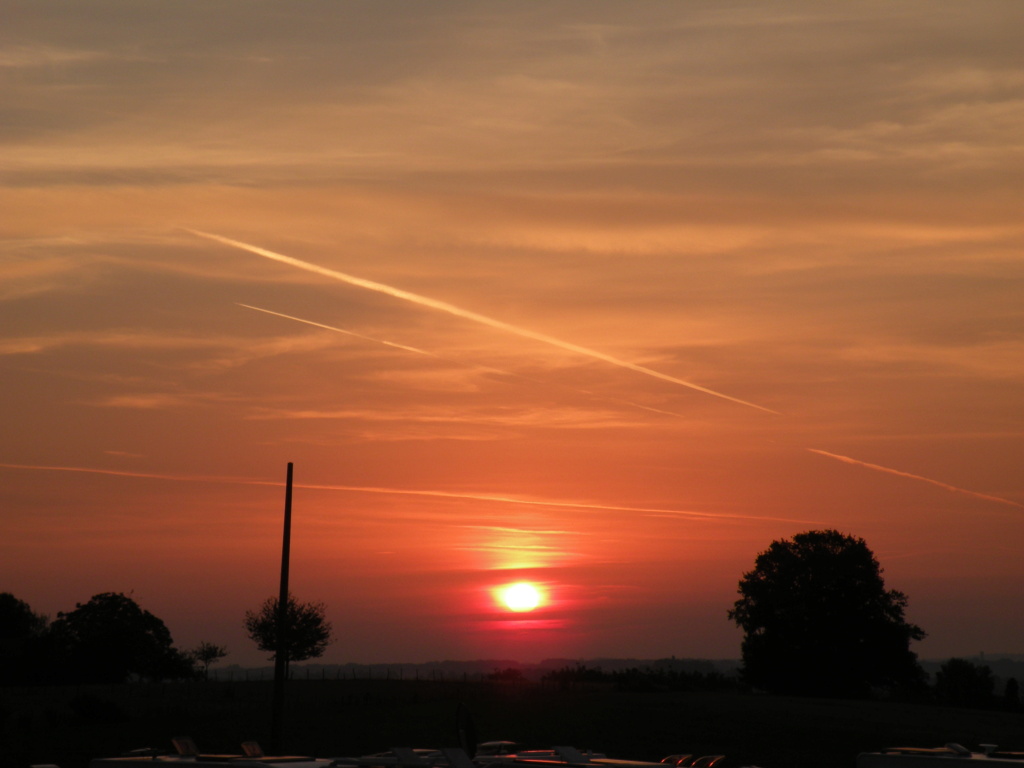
(520, 597)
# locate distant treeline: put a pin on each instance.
(649, 678)
(507, 670)
(956, 682)
(579, 675)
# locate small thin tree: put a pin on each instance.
(308, 631)
(206, 654)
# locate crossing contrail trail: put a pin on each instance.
(451, 309)
(347, 332)
(486, 368)
(496, 498)
(899, 473)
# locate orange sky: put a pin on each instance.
(812, 210)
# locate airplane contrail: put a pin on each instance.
(487, 368)
(497, 498)
(451, 309)
(568, 346)
(899, 473)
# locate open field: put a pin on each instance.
(68, 726)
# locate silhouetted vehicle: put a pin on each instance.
(489, 755)
(948, 756)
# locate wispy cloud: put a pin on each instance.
(147, 401)
(23, 56)
(526, 531)
(525, 417)
(1001, 359)
(109, 338)
(503, 548)
(215, 352)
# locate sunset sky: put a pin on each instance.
(600, 296)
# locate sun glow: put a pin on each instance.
(520, 597)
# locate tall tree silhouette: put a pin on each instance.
(818, 619)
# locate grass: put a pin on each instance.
(70, 725)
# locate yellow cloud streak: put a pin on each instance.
(443, 306)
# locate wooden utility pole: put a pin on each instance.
(281, 652)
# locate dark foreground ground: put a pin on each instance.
(68, 726)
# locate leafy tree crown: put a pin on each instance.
(306, 632)
(111, 638)
(818, 619)
(17, 619)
